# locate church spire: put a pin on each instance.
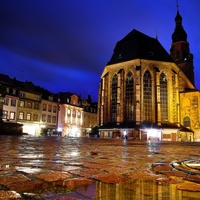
(179, 50)
(179, 32)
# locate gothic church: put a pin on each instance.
(146, 93)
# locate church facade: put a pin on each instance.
(143, 89)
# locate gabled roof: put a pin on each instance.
(137, 45)
(5, 79)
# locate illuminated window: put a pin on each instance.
(12, 115)
(6, 101)
(68, 111)
(35, 117)
(13, 102)
(147, 96)
(21, 115)
(21, 103)
(4, 114)
(186, 121)
(44, 118)
(163, 97)
(28, 116)
(114, 99)
(129, 98)
(29, 105)
(44, 107)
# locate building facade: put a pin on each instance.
(49, 116)
(141, 86)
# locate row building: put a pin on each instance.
(41, 112)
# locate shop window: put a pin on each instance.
(4, 114)
(21, 115)
(28, 116)
(12, 115)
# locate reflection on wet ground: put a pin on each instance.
(104, 169)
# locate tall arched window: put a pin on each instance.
(129, 98)
(147, 96)
(114, 99)
(163, 98)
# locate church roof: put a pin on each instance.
(136, 45)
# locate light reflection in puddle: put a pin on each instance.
(135, 189)
(141, 189)
(31, 155)
(29, 170)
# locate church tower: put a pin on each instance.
(180, 51)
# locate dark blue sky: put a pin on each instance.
(63, 45)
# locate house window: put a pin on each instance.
(54, 119)
(12, 115)
(163, 98)
(7, 90)
(147, 96)
(29, 105)
(44, 118)
(22, 94)
(36, 97)
(54, 109)
(35, 117)
(36, 105)
(6, 101)
(49, 118)
(28, 116)
(114, 99)
(49, 108)
(14, 91)
(21, 115)
(129, 98)
(13, 102)
(21, 104)
(4, 114)
(44, 107)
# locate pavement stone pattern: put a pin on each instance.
(71, 168)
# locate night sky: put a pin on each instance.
(64, 45)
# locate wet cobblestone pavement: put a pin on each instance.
(88, 168)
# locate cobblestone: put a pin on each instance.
(87, 168)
